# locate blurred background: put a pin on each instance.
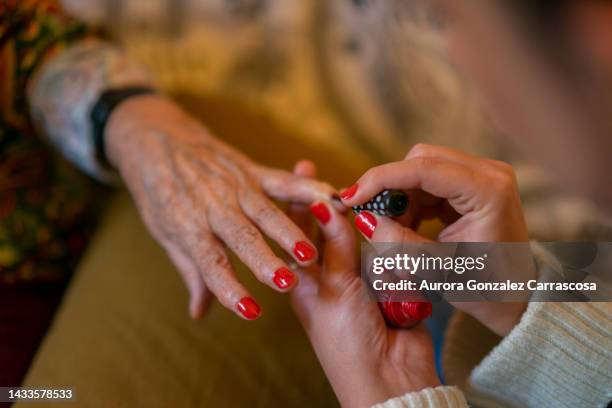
(334, 73)
(360, 81)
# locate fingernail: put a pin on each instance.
(283, 278)
(320, 211)
(366, 223)
(304, 251)
(349, 192)
(249, 308)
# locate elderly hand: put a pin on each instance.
(477, 198)
(195, 193)
(365, 361)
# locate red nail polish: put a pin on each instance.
(349, 192)
(405, 314)
(417, 310)
(320, 211)
(366, 223)
(283, 278)
(248, 308)
(304, 251)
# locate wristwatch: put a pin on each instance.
(101, 111)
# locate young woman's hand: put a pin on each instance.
(365, 361)
(198, 195)
(476, 198)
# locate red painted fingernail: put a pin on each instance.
(349, 192)
(249, 308)
(366, 223)
(283, 278)
(304, 251)
(320, 211)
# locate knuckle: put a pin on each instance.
(215, 264)
(226, 294)
(245, 234)
(247, 231)
(371, 175)
(503, 167)
(219, 179)
(419, 149)
(259, 206)
(423, 163)
(267, 212)
(503, 184)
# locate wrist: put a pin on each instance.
(100, 114)
(126, 122)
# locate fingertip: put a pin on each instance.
(198, 299)
(366, 222)
(305, 168)
(321, 212)
(305, 253)
(196, 308)
(248, 308)
(284, 279)
(330, 220)
(347, 194)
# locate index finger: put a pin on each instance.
(286, 186)
(436, 176)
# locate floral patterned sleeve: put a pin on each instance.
(30, 31)
(45, 204)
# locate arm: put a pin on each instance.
(36, 189)
(558, 350)
(65, 89)
(31, 32)
(196, 194)
(55, 68)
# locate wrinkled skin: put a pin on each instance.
(197, 194)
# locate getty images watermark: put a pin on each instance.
(497, 272)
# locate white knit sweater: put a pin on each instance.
(559, 355)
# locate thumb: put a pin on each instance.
(339, 251)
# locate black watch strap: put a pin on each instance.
(102, 110)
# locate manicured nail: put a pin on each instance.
(349, 192)
(249, 308)
(304, 251)
(320, 211)
(283, 278)
(366, 223)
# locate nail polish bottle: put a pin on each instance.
(390, 203)
(405, 314)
